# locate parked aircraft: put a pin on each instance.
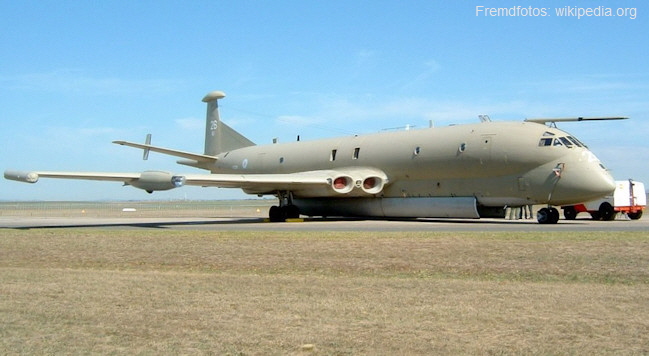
(459, 171)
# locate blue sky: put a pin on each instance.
(76, 75)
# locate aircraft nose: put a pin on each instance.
(581, 184)
(598, 183)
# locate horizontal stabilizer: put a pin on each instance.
(189, 155)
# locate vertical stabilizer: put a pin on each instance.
(220, 137)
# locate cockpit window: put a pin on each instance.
(567, 141)
(577, 142)
(545, 142)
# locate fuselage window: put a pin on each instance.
(333, 155)
(357, 150)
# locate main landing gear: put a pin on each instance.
(281, 213)
(285, 210)
(547, 215)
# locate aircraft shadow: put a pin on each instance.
(233, 221)
(147, 225)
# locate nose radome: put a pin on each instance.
(601, 184)
(578, 186)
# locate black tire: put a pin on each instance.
(635, 216)
(547, 216)
(277, 214)
(554, 216)
(570, 213)
(291, 211)
(543, 215)
(607, 212)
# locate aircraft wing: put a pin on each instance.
(264, 183)
(351, 181)
(148, 180)
(32, 177)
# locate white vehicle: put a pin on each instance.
(629, 198)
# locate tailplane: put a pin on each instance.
(220, 137)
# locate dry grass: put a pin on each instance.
(178, 292)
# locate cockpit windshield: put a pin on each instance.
(549, 139)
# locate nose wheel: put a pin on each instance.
(547, 216)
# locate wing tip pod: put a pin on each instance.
(21, 176)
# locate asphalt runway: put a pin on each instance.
(318, 224)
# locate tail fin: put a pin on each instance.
(220, 137)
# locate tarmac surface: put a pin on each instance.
(317, 224)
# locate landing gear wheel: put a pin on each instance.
(543, 216)
(281, 213)
(276, 214)
(570, 213)
(292, 212)
(547, 216)
(606, 212)
(554, 215)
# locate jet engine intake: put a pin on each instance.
(358, 181)
(152, 181)
(372, 184)
(342, 184)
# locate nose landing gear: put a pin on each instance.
(547, 216)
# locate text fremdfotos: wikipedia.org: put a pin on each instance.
(564, 11)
